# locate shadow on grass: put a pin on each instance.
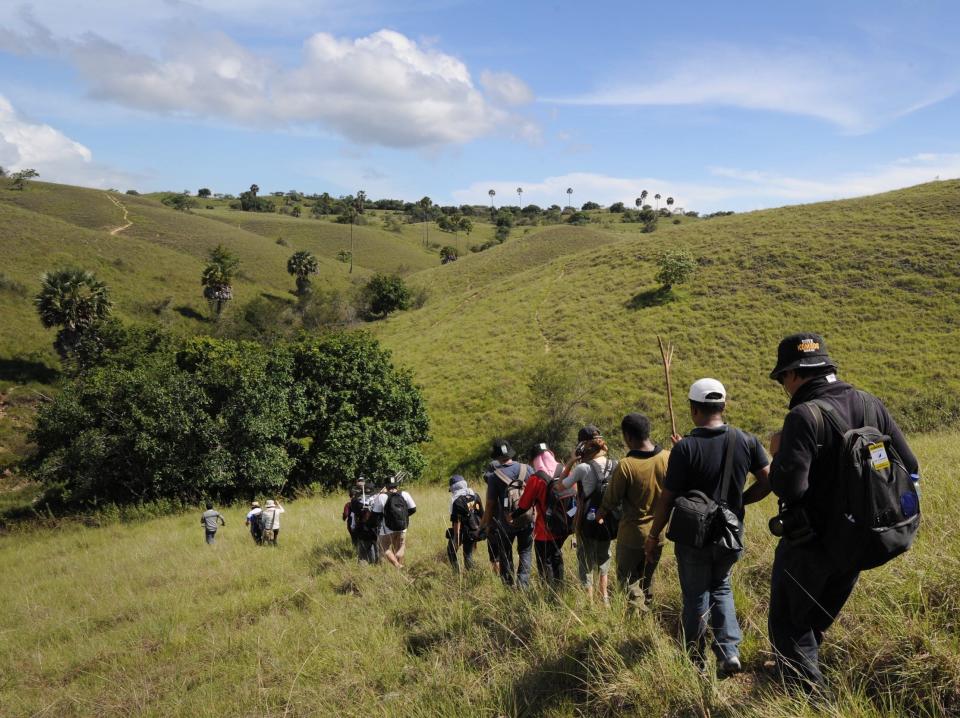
(650, 298)
(553, 683)
(326, 555)
(22, 371)
(190, 313)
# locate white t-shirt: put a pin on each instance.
(271, 517)
(380, 503)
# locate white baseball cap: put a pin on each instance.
(707, 391)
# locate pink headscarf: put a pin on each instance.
(545, 461)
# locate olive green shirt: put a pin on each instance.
(635, 486)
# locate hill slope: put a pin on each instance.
(878, 276)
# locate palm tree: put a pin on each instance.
(569, 196)
(217, 278)
(520, 196)
(638, 202)
(669, 202)
(76, 301)
(657, 197)
(643, 197)
(254, 189)
(301, 265)
(492, 194)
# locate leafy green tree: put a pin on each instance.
(669, 202)
(386, 293)
(18, 180)
(204, 192)
(588, 206)
(74, 300)
(675, 267)
(301, 265)
(579, 218)
(323, 205)
(217, 278)
(448, 254)
(297, 210)
(182, 202)
(617, 207)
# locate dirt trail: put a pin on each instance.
(126, 215)
(536, 315)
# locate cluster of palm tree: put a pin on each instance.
(217, 278)
(639, 201)
(301, 265)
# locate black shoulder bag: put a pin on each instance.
(698, 521)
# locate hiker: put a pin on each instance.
(555, 507)
(365, 524)
(393, 508)
(210, 519)
(635, 485)
(270, 516)
(255, 522)
(706, 476)
(822, 550)
(351, 517)
(505, 479)
(466, 513)
(589, 469)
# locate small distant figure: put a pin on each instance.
(255, 522)
(348, 517)
(270, 516)
(210, 520)
(395, 507)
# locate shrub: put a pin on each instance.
(181, 202)
(588, 206)
(676, 267)
(384, 294)
(579, 218)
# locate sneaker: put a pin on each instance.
(729, 666)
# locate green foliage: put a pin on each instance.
(579, 218)
(391, 223)
(675, 267)
(386, 293)
(74, 300)
(616, 207)
(181, 202)
(217, 278)
(588, 206)
(226, 419)
(250, 202)
(18, 180)
(301, 265)
(448, 252)
(204, 192)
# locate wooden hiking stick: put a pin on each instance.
(667, 354)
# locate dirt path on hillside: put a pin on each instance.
(126, 214)
(536, 315)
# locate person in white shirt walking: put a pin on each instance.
(394, 507)
(271, 522)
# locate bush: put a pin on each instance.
(132, 192)
(579, 218)
(227, 419)
(616, 207)
(676, 267)
(179, 202)
(384, 294)
(588, 206)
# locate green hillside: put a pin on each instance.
(879, 276)
(144, 619)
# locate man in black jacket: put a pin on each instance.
(809, 583)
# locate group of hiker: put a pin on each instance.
(377, 520)
(846, 480)
(263, 522)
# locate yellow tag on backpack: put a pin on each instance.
(878, 456)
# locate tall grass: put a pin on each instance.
(145, 619)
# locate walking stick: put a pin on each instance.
(667, 354)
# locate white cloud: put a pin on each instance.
(55, 156)
(855, 93)
(506, 88)
(734, 189)
(383, 89)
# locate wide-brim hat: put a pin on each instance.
(271, 503)
(805, 350)
(255, 505)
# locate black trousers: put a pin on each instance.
(468, 548)
(806, 594)
(501, 543)
(549, 555)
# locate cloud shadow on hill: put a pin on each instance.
(650, 298)
(190, 313)
(23, 371)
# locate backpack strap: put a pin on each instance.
(503, 477)
(601, 478)
(833, 418)
(871, 415)
(729, 450)
(522, 476)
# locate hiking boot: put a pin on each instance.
(729, 666)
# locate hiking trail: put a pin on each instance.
(126, 215)
(536, 314)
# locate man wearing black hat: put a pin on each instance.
(809, 582)
(505, 479)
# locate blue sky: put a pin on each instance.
(723, 106)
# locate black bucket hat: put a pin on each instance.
(500, 448)
(802, 351)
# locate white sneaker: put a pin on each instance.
(729, 666)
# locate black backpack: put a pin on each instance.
(364, 524)
(470, 511)
(606, 531)
(396, 513)
(561, 506)
(875, 506)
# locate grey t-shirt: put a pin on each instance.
(586, 477)
(209, 519)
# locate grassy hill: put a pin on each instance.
(878, 276)
(144, 619)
